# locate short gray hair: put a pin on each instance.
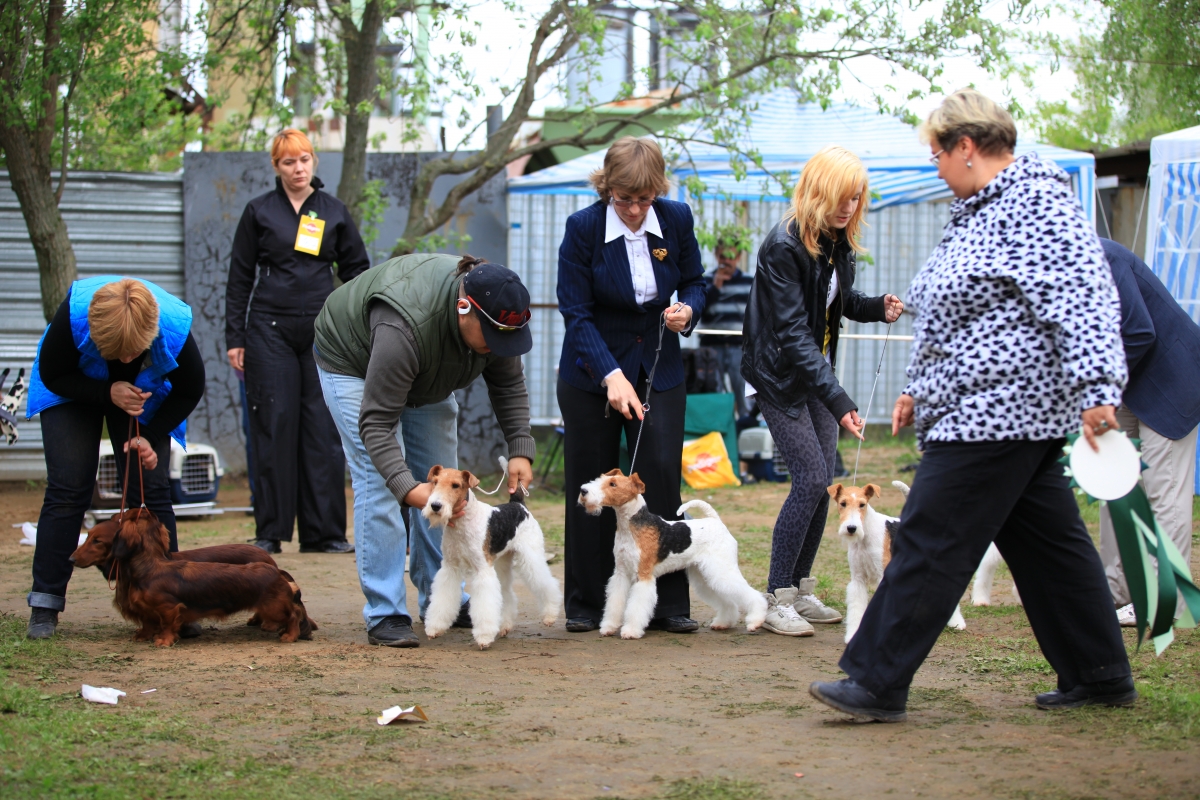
(971, 114)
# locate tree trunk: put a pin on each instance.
(362, 78)
(47, 229)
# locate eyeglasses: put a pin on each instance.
(500, 326)
(936, 158)
(641, 202)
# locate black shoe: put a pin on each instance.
(331, 546)
(270, 545)
(190, 631)
(846, 695)
(394, 632)
(673, 625)
(1117, 692)
(42, 622)
(463, 620)
(582, 625)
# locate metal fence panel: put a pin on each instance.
(124, 224)
(899, 240)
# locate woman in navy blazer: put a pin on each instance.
(620, 261)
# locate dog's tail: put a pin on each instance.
(704, 509)
(902, 486)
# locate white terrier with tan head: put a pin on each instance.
(647, 546)
(483, 548)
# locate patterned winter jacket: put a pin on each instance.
(1018, 318)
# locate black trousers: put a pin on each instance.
(591, 447)
(299, 466)
(71, 438)
(964, 496)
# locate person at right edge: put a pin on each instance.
(803, 286)
(1017, 343)
(1161, 406)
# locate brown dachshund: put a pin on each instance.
(97, 551)
(161, 594)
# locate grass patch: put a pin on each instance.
(712, 789)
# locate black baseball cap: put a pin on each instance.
(502, 303)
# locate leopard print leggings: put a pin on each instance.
(808, 444)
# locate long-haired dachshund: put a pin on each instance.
(97, 551)
(161, 594)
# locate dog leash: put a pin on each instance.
(662, 328)
(503, 477)
(133, 432)
(870, 400)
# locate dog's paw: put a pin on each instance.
(434, 633)
(288, 638)
(549, 620)
(608, 631)
(751, 628)
(630, 633)
(505, 631)
(719, 626)
(254, 621)
(981, 602)
(484, 644)
(958, 626)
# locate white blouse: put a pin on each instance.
(637, 247)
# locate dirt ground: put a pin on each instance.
(548, 714)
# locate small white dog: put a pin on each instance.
(868, 548)
(648, 546)
(483, 547)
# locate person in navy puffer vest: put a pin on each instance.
(117, 348)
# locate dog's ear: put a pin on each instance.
(612, 472)
(472, 481)
(871, 490)
(638, 486)
(127, 542)
(835, 491)
(434, 471)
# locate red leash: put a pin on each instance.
(135, 428)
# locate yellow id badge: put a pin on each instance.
(308, 236)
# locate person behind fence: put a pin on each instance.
(284, 252)
(1016, 344)
(725, 310)
(1160, 406)
(392, 346)
(619, 263)
(803, 286)
(117, 348)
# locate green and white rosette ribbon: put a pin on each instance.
(1153, 587)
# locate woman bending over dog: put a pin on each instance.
(803, 287)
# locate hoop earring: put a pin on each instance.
(464, 308)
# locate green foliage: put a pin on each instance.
(372, 204)
(1138, 78)
(725, 235)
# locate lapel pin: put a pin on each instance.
(659, 252)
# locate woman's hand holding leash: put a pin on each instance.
(128, 398)
(418, 497)
(893, 307)
(1097, 422)
(145, 452)
(902, 413)
(678, 316)
(520, 473)
(622, 397)
(853, 423)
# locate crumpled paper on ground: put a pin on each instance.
(389, 715)
(101, 694)
(29, 532)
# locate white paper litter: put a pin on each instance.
(389, 715)
(148, 691)
(29, 532)
(101, 694)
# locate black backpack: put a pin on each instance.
(703, 375)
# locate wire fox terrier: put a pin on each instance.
(647, 546)
(483, 548)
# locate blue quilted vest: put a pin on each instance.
(174, 323)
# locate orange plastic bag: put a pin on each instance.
(706, 463)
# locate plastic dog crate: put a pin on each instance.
(195, 475)
(757, 448)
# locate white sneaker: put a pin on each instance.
(810, 607)
(782, 618)
(1126, 617)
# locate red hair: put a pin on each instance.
(291, 142)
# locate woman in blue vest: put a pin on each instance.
(117, 348)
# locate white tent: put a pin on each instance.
(910, 206)
(1173, 235)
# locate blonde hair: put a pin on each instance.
(830, 177)
(632, 165)
(123, 319)
(291, 142)
(970, 114)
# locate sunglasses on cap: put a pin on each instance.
(500, 326)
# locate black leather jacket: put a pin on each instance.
(785, 321)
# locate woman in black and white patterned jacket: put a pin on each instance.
(1016, 344)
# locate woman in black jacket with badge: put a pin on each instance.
(284, 252)
(803, 286)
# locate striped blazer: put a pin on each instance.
(606, 328)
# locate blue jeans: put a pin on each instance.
(429, 435)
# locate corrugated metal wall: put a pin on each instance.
(899, 239)
(127, 224)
